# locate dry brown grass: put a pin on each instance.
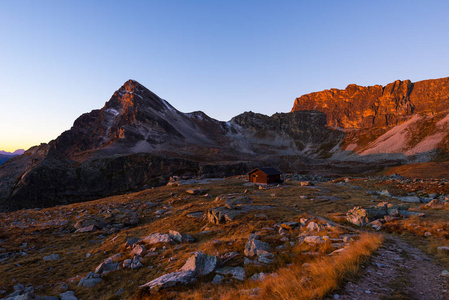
(322, 276)
(305, 278)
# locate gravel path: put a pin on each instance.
(397, 271)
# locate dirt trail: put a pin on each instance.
(397, 271)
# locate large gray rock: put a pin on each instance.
(171, 279)
(254, 246)
(69, 295)
(108, 265)
(201, 264)
(90, 280)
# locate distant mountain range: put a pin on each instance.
(17, 152)
(4, 155)
(137, 140)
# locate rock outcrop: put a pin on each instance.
(358, 107)
(402, 119)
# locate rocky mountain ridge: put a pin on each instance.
(402, 120)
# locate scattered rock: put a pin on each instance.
(90, 280)
(201, 264)
(235, 272)
(217, 279)
(266, 258)
(195, 215)
(171, 279)
(51, 257)
(134, 263)
(410, 199)
(313, 226)
(313, 239)
(138, 250)
(156, 238)
(434, 204)
(69, 295)
(289, 225)
(89, 228)
(130, 242)
(180, 238)
(122, 216)
(385, 193)
(232, 259)
(357, 216)
(258, 276)
(254, 246)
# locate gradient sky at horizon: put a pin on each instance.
(60, 59)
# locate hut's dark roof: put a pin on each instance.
(268, 171)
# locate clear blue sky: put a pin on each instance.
(59, 59)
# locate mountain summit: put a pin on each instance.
(137, 140)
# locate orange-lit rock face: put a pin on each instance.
(358, 107)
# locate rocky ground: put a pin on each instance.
(206, 238)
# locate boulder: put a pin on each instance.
(235, 272)
(385, 193)
(138, 250)
(232, 259)
(179, 237)
(313, 226)
(357, 216)
(410, 199)
(313, 239)
(52, 257)
(90, 280)
(266, 258)
(254, 246)
(170, 279)
(69, 295)
(131, 242)
(434, 204)
(201, 264)
(134, 263)
(106, 267)
(259, 277)
(217, 279)
(156, 238)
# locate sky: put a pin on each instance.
(60, 59)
